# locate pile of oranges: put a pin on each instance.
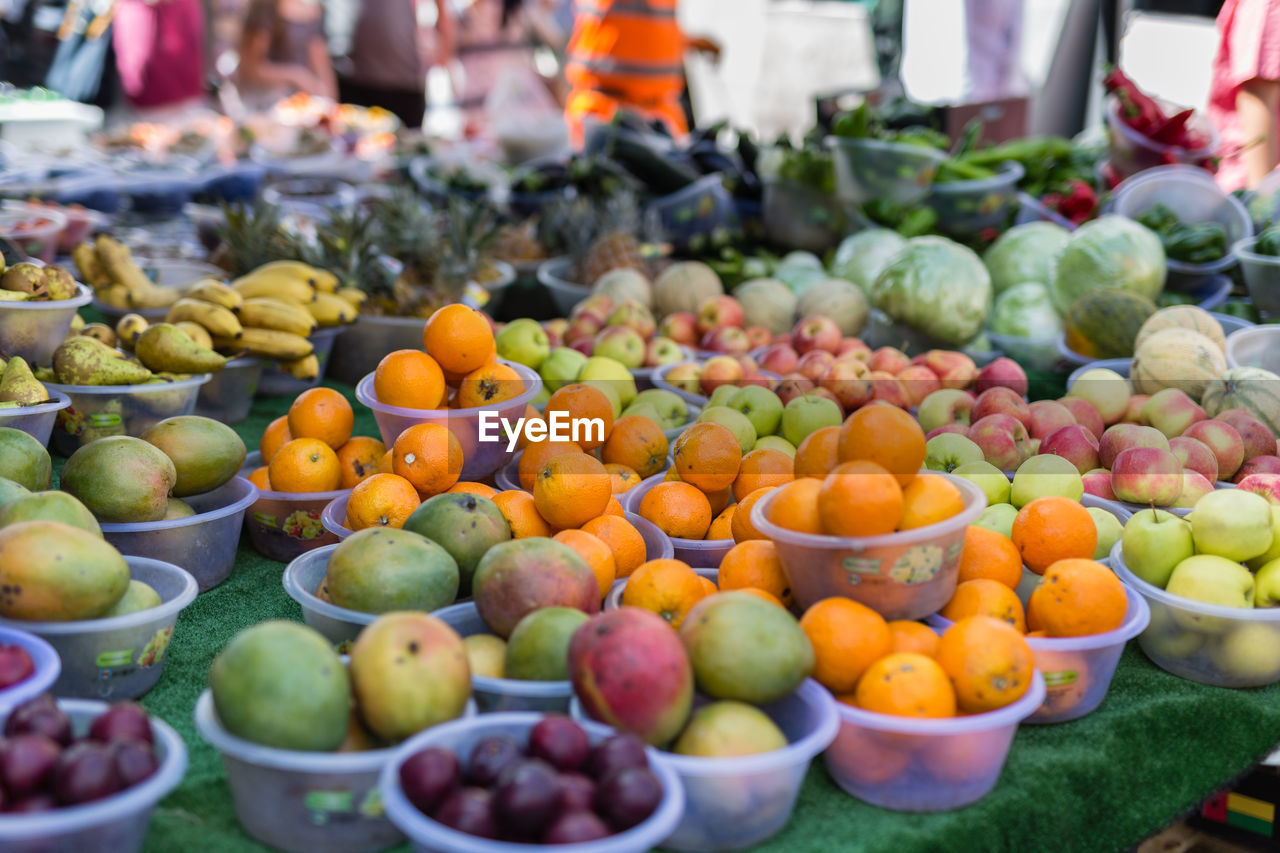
(311, 449)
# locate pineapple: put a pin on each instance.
(518, 243)
(250, 236)
(617, 244)
(347, 246)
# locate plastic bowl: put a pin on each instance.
(695, 401)
(97, 411)
(115, 824)
(228, 395)
(555, 274)
(800, 217)
(613, 600)
(1208, 643)
(967, 208)
(312, 198)
(36, 421)
(644, 375)
(461, 736)
(275, 381)
(1119, 365)
(903, 575)
(1261, 276)
(284, 525)
(908, 764)
(872, 168)
(1032, 210)
(38, 241)
(1255, 347)
(121, 657)
(204, 544)
(698, 553)
(1130, 151)
(368, 339)
(699, 218)
(33, 330)
(164, 272)
(479, 458)
(1031, 353)
(158, 192)
(239, 182)
(47, 668)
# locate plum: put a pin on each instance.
(27, 763)
(134, 760)
(85, 772)
(559, 741)
(577, 792)
(122, 720)
(489, 758)
(16, 665)
(427, 776)
(35, 803)
(627, 797)
(40, 715)
(525, 800)
(469, 810)
(575, 827)
(616, 753)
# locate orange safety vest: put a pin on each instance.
(625, 53)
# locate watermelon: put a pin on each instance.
(1191, 317)
(1105, 323)
(1176, 358)
(1253, 389)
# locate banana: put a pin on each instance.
(354, 295)
(13, 296)
(197, 333)
(210, 290)
(305, 368)
(322, 280)
(115, 295)
(220, 322)
(118, 264)
(274, 284)
(330, 310)
(128, 328)
(268, 343)
(86, 260)
(262, 313)
(153, 297)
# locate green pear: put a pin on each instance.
(25, 278)
(85, 361)
(19, 385)
(164, 347)
(139, 596)
(1153, 543)
(1212, 580)
(59, 284)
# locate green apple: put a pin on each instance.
(993, 482)
(737, 423)
(1045, 475)
(1266, 583)
(610, 390)
(776, 442)
(1153, 543)
(1272, 553)
(998, 517)
(761, 406)
(1212, 580)
(1249, 653)
(672, 410)
(540, 399)
(948, 451)
(722, 395)
(524, 341)
(1233, 524)
(944, 406)
(643, 410)
(600, 369)
(1109, 531)
(561, 367)
(1168, 639)
(806, 414)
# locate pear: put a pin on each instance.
(25, 278)
(165, 348)
(19, 385)
(59, 283)
(77, 323)
(178, 508)
(45, 374)
(100, 331)
(87, 361)
(129, 328)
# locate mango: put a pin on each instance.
(121, 479)
(518, 577)
(49, 506)
(486, 655)
(53, 572)
(178, 508)
(24, 460)
(728, 730)
(10, 490)
(137, 597)
(538, 649)
(381, 569)
(465, 525)
(205, 453)
(281, 684)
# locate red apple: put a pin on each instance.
(779, 358)
(1133, 411)
(955, 369)
(1001, 401)
(1267, 485)
(1258, 465)
(749, 366)
(1258, 440)
(1226, 443)
(1119, 437)
(759, 336)
(586, 346)
(854, 347)
(1195, 455)
(720, 370)
(681, 327)
(888, 388)
(794, 386)
(719, 311)
(555, 330)
(816, 333)
(687, 377)
(889, 360)
(1146, 475)
(814, 363)
(1002, 372)
(919, 382)
(726, 339)
(633, 315)
(1075, 444)
(849, 381)
(1047, 416)
(1086, 414)
(1003, 440)
(582, 327)
(761, 380)
(597, 306)
(1194, 487)
(1098, 483)
(823, 392)
(1171, 411)
(958, 429)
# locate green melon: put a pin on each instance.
(1105, 323)
(1191, 317)
(1253, 389)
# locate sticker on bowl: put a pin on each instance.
(920, 563)
(303, 525)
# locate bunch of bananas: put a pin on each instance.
(108, 267)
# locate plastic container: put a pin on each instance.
(659, 378)
(698, 553)
(904, 575)
(275, 381)
(33, 330)
(237, 183)
(1031, 353)
(47, 668)
(36, 421)
(479, 458)
(1208, 643)
(115, 824)
(158, 192)
(699, 218)
(284, 525)
(367, 340)
(312, 198)
(967, 208)
(163, 272)
(121, 657)
(33, 229)
(204, 544)
(644, 375)
(1255, 347)
(613, 600)
(228, 395)
(1261, 276)
(909, 764)
(97, 411)
(802, 218)
(872, 168)
(461, 736)
(302, 578)
(81, 223)
(1119, 365)
(556, 276)
(1130, 151)
(1032, 210)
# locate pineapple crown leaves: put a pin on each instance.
(251, 236)
(572, 225)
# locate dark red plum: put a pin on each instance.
(469, 810)
(134, 760)
(489, 758)
(526, 798)
(40, 715)
(16, 665)
(27, 763)
(122, 720)
(86, 772)
(577, 792)
(627, 797)
(616, 753)
(32, 804)
(575, 827)
(559, 741)
(429, 775)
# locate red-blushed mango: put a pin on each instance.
(518, 577)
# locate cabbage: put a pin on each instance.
(860, 257)
(1025, 253)
(937, 287)
(1112, 252)
(1025, 311)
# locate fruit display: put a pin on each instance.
(26, 282)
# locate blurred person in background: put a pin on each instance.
(497, 41)
(159, 47)
(1244, 95)
(394, 44)
(283, 50)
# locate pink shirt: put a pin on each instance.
(1248, 49)
(159, 50)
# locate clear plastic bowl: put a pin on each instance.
(158, 193)
(659, 378)
(699, 218)
(461, 736)
(115, 824)
(97, 411)
(368, 339)
(1119, 365)
(164, 272)
(121, 657)
(1031, 353)
(38, 242)
(302, 578)
(613, 600)
(644, 375)
(47, 668)
(228, 395)
(1131, 152)
(1261, 277)
(555, 274)
(276, 382)
(1255, 347)
(909, 764)
(1032, 210)
(1189, 638)
(803, 218)
(36, 421)
(204, 544)
(33, 330)
(903, 575)
(479, 459)
(872, 168)
(284, 525)
(967, 208)
(699, 553)
(334, 516)
(313, 198)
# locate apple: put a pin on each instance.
(1043, 476)
(1213, 580)
(1047, 416)
(814, 363)
(1085, 414)
(889, 388)
(1120, 437)
(561, 367)
(825, 394)
(660, 351)
(945, 406)
(1272, 553)
(586, 346)
(605, 371)
(816, 333)
(722, 395)
(1166, 638)
(1003, 439)
(555, 330)
(681, 327)
(1002, 372)
(1194, 486)
(1195, 456)
(1108, 391)
(622, 344)
(1266, 485)
(761, 406)
(1171, 411)
(794, 386)
(890, 360)
(1073, 443)
(1267, 586)
(1258, 465)
(919, 382)
(720, 370)
(779, 358)
(1001, 401)
(1249, 652)
(719, 311)
(1098, 483)
(523, 341)
(597, 306)
(1154, 542)
(735, 421)
(749, 365)
(954, 429)
(855, 348)
(803, 415)
(1233, 524)
(1109, 531)
(726, 339)
(954, 369)
(686, 377)
(1146, 475)
(998, 517)
(634, 315)
(759, 336)
(671, 409)
(993, 482)
(1224, 441)
(849, 381)
(948, 452)
(1257, 439)
(775, 442)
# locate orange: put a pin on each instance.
(887, 436)
(669, 588)
(719, 500)
(260, 478)
(795, 506)
(321, 413)
(869, 756)
(987, 661)
(679, 510)
(915, 637)
(489, 385)
(638, 443)
(760, 468)
(755, 563)
(577, 401)
(521, 513)
(859, 499)
(383, 500)
(467, 487)
(672, 475)
(429, 456)
(305, 465)
(906, 684)
(359, 459)
(458, 338)
(538, 454)
(847, 638)
(816, 455)
(386, 465)
(988, 554)
(742, 528)
(595, 552)
(621, 478)
(722, 525)
(613, 508)
(707, 456)
(275, 436)
(709, 586)
(758, 593)
(1051, 529)
(571, 489)
(530, 414)
(1078, 597)
(623, 540)
(410, 379)
(929, 499)
(985, 597)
